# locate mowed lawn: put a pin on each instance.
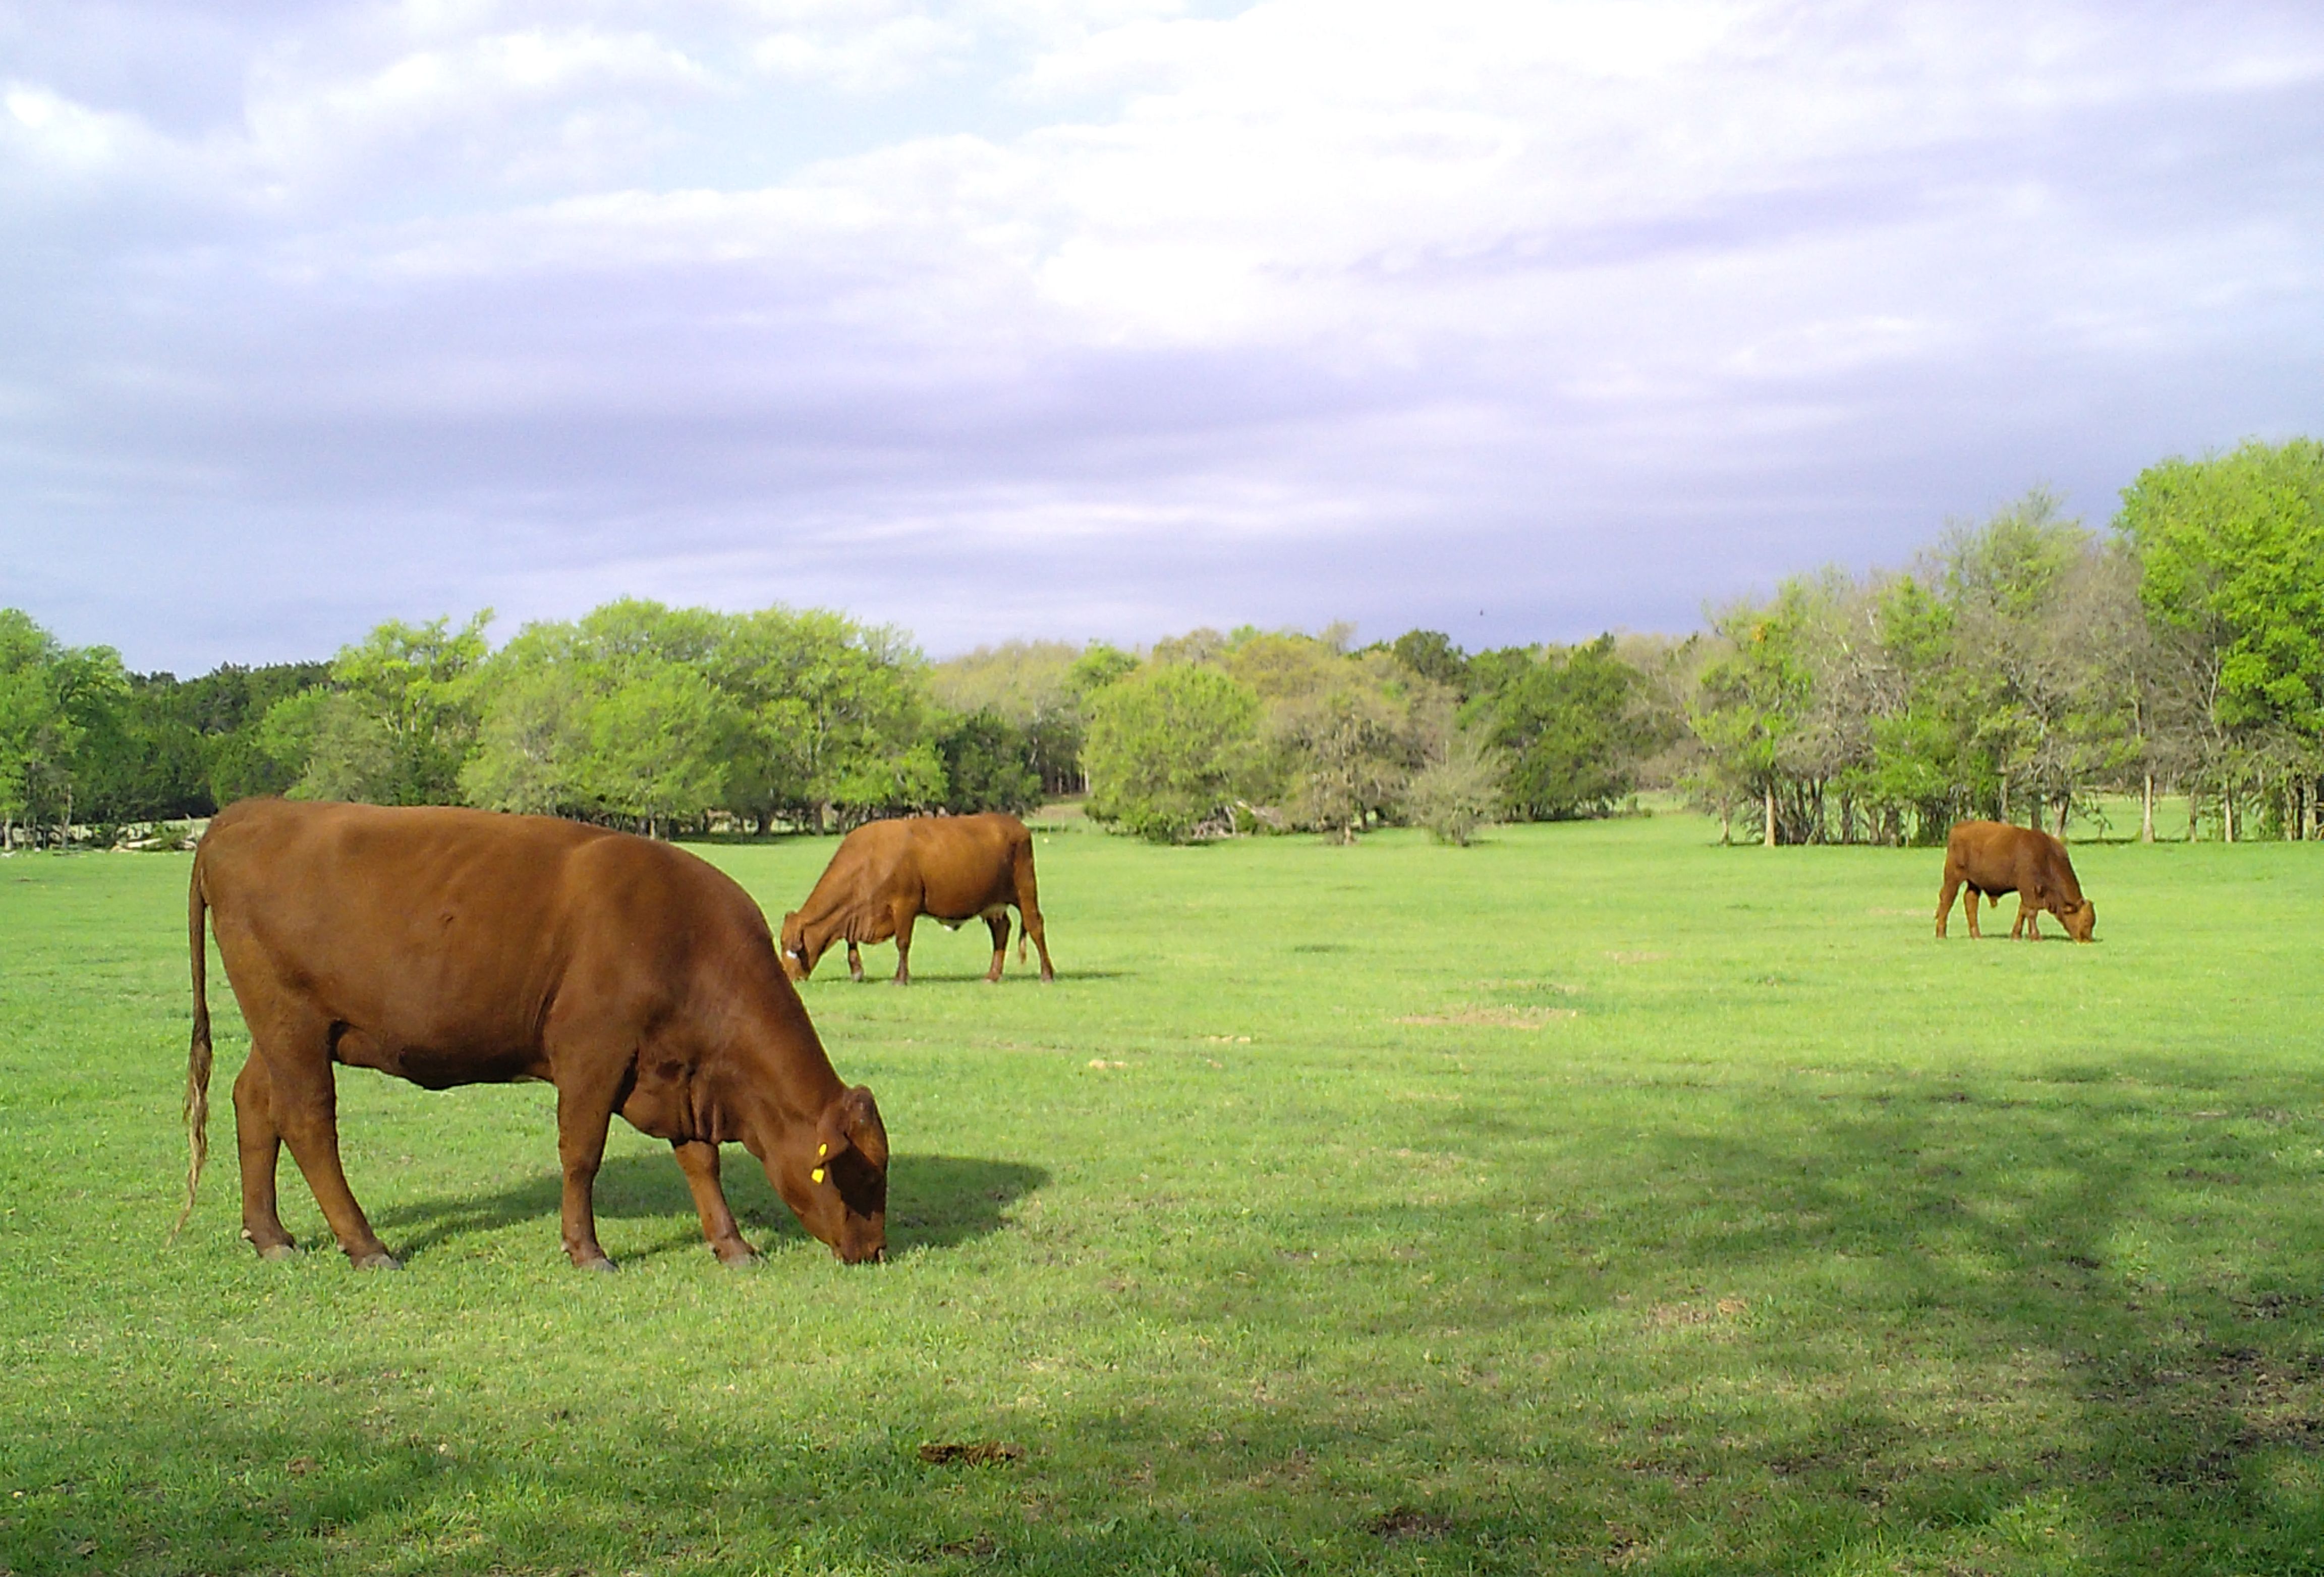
(1595, 1196)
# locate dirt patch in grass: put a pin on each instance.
(1669, 1316)
(1405, 1522)
(976, 1452)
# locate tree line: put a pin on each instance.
(2017, 669)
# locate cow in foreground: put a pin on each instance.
(453, 946)
(1993, 857)
(889, 873)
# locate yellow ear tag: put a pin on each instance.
(816, 1176)
(823, 1150)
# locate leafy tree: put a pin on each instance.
(840, 719)
(397, 723)
(615, 717)
(2232, 553)
(1430, 654)
(52, 699)
(989, 764)
(1036, 688)
(1572, 729)
(1464, 788)
(1169, 750)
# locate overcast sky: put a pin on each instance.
(1518, 320)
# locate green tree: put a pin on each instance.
(989, 764)
(1430, 654)
(1462, 789)
(2231, 549)
(399, 721)
(1169, 750)
(841, 723)
(615, 717)
(1572, 729)
(53, 698)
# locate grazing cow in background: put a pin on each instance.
(1993, 857)
(888, 873)
(461, 947)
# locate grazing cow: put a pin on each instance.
(1993, 857)
(888, 873)
(460, 947)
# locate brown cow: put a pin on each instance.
(1993, 857)
(462, 947)
(888, 873)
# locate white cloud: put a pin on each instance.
(1124, 278)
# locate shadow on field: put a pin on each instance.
(2143, 1246)
(934, 1201)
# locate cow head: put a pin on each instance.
(798, 962)
(833, 1175)
(2080, 918)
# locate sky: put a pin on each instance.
(1009, 318)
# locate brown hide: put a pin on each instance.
(458, 948)
(1994, 857)
(888, 873)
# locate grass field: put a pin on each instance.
(1595, 1196)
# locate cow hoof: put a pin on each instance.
(382, 1260)
(742, 1261)
(277, 1251)
(599, 1263)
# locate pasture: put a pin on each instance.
(1596, 1197)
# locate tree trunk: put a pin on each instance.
(1726, 827)
(2065, 804)
(2146, 813)
(2228, 813)
(1771, 815)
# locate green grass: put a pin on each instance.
(1594, 1196)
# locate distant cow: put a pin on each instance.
(461, 947)
(888, 873)
(1993, 857)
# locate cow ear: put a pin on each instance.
(852, 1121)
(866, 1132)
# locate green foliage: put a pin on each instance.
(614, 717)
(1430, 654)
(1036, 688)
(1170, 749)
(1463, 789)
(1572, 729)
(399, 721)
(838, 713)
(2233, 551)
(989, 764)
(54, 700)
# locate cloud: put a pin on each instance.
(1008, 318)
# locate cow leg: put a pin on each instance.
(304, 1099)
(855, 963)
(904, 946)
(1969, 909)
(1945, 907)
(260, 1144)
(1029, 917)
(585, 1110)
(2029, 919)
(998, 926)
(700, 1162)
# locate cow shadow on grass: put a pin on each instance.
(934, 1201)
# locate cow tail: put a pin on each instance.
(197, 1054)
(1028, 894)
